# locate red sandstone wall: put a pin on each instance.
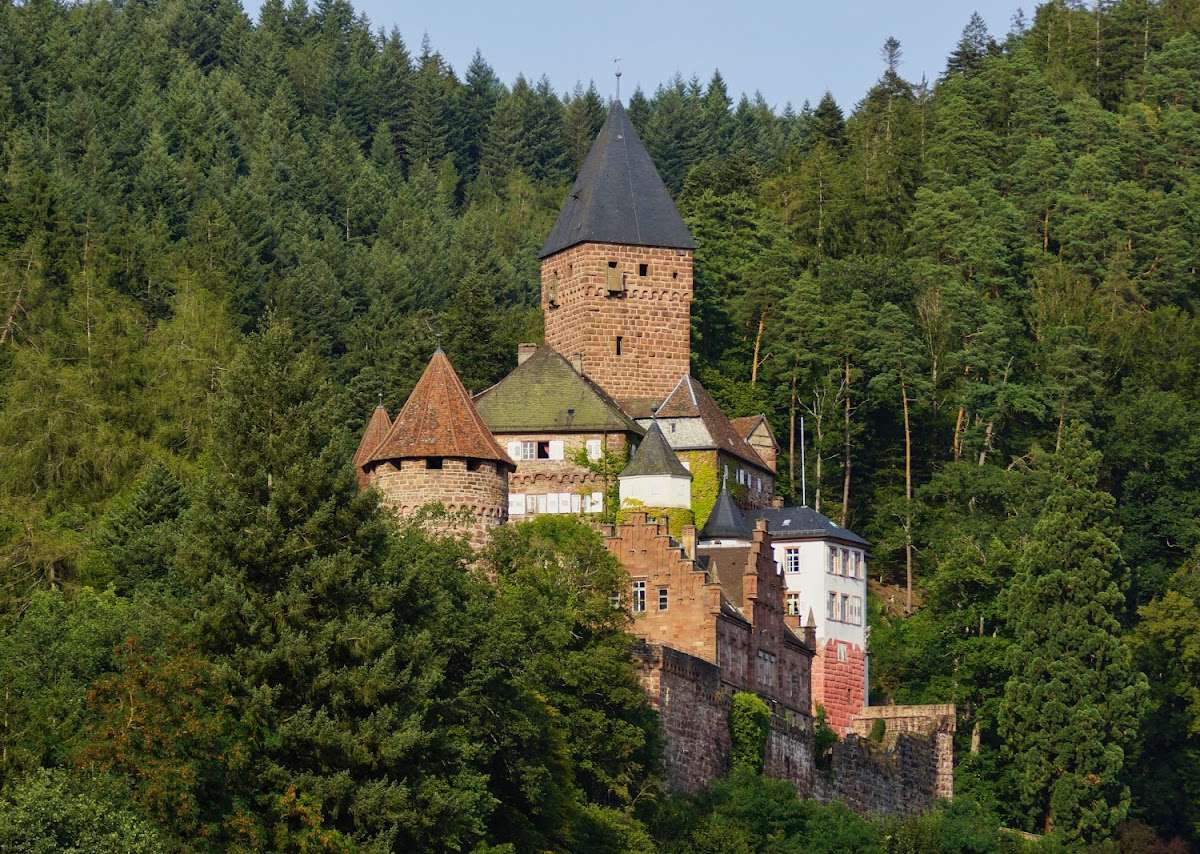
(653, 317)
(839, 685)
(483, 493)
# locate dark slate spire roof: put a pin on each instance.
(726, 521)
(439, 420)
(806, 523)
(618, 197)
(654, 456)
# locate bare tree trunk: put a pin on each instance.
(792, 435)
(846, 449)
(908, 498)
(959, 424)
(754, 362)
(987, 441)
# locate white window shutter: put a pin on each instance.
(556, 449)
(593, 449)
(514, 450)
(576, 503)
(597, 502)
(516, 504)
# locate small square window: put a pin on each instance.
(643, 270)
(433, 462)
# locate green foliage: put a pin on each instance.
(50, 811)
(1071, 709)
(677, 517)
(749, 725)
(824, 738)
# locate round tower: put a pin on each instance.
(439, 451)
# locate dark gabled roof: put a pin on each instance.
(439, 420)
(689, 399)
(784, 522)
(618, 196)
(546, 394)
(375, 431)
(654, 456)
(726, 521)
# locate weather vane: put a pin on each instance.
(617, 63)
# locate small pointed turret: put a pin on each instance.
(377, 428)
(726, 521)
(655, 477)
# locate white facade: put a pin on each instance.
(830, 577)
(657, 490)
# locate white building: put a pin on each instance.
(825, 575)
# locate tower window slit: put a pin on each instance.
(619, 338)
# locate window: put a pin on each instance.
(615, 600)
(433, 462)
(593, 449)
(791, 560)
(831, 606)
(662, 598)
(845, 608)
(643, 270)
(516, 504)
(843, 653)
(618, 345)
(829, 559)
(522, 450)
(856, 610)
(594, 503)
(845, 561)
(543, 450)
(793, 604)
(541, 504)
(576, 503)
(639, 597)
(613, 278)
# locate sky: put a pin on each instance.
(790, 51)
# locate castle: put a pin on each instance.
(726, 584)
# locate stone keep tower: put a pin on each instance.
(617, 271)
(438, 450)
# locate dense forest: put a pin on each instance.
(221, 240)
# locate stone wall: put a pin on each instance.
(902, 775)
(936, 721)
(477, 488)
(544, 477)
(651, 315)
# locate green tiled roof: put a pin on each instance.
(654, 456)
(545, 394)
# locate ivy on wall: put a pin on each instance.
(677, 517)
(749, 721)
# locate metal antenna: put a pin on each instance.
(437, 339)
(617, 63)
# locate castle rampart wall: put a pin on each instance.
(478, 487)
(902, 775)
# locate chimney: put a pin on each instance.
(687, 538)
(777, 501)
(577, 363)
(524, 351)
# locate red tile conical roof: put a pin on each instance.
(439, 420)
(376, 430)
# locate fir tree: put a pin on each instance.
(1071, 710)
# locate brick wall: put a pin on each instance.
(837, 685)
(648, 553)
(652, 315)
(477, 488)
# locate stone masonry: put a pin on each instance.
(839, 674)
(476, 487)
(594, 294)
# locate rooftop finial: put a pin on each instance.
(617, 63)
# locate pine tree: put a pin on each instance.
(584, 118)
(828, 123)
(1071, 709)
(481, 93)
(973, 47)
(136, 540)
